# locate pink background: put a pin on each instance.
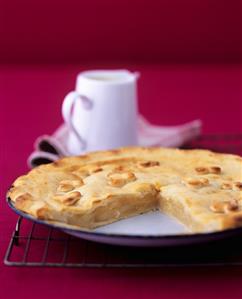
(167, 31)
(188, 53)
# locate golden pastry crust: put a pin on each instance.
(202, 189)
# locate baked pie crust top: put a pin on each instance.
(200, 188)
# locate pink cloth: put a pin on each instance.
(49, 148)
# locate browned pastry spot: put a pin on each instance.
(202, 170)
(118, 168)
(232, 205)
(238, 185)
(96, 201)
(224, 206)
(226, 186)
(119, 179)
(98, 169)
(207, 170)
(41, 213)
(215, 169)
(23, 201)
(68, 199)
(197, 182)
(146, 188)
(150, 163)
(157, 186)
(114, 151)
(69, 185)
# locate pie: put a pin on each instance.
(200, 188)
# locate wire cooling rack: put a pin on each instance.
(226, 143)
(37, 245)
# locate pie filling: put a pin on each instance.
(121, 207)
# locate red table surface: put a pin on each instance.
(31, 98)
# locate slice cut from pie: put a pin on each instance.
(200, 188)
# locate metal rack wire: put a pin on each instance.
(36, 245)
(227, 143)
